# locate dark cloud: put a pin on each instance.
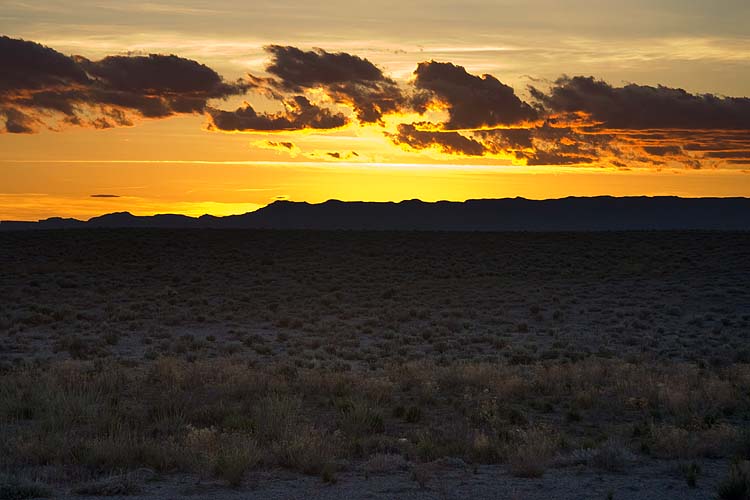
(644, 107)
(26, 65)
(346, 79)
(40, 87)
(662, 150)
(299, 114)
(539, 145)
(282, 144)
(542, 157)
(336, 155)
(158, 85)
(737, 155)
(298, 69)
(472, 101)
(578, 120)
(17, 122)
(713, 145)
(556, 145)
(506, 139)
(448, 142)
(156, 74)
(105, 196)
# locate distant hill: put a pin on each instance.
(508, 214)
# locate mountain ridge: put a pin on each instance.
(501, 214)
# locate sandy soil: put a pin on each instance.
(647, 480)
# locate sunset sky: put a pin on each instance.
(222, 107)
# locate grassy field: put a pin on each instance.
(220, 353)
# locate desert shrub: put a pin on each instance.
(530, 451)
(669, 441)
(413, 414)
(515, 416)
(309, 451)
(237, 455)
(328, 473)
(485, 413)
(200, 448)
(717, 441)
(572, 415)
(36, 448)
(227, 456)
(16, 488)
(428, 446)
(111, 338)
(422, 474)
(239, 422)
(107, 417)
(276, 417)
(743, 445)
(75, 346)
(398, 411)
(19, 402)
(484, 448)
(358, 418)
(736, 486)
(612, 456)
(128, 451)
(691, 472)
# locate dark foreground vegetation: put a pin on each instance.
(128, 355)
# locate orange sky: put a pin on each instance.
(177, 165)
(173, 166)
(230, 188)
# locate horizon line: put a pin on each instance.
(376, 203)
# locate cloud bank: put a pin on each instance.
(576, 120)
(42, 88)
(299, 113)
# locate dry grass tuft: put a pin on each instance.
(531, 451)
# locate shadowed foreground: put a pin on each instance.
(224, 364)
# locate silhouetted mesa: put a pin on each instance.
(602, 213)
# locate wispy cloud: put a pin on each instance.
(159, 8)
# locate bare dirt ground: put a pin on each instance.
(652, 480)
(273, 364)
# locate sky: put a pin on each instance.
(223, 107)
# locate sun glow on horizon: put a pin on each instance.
(37, 190)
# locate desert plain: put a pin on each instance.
(156, 363)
